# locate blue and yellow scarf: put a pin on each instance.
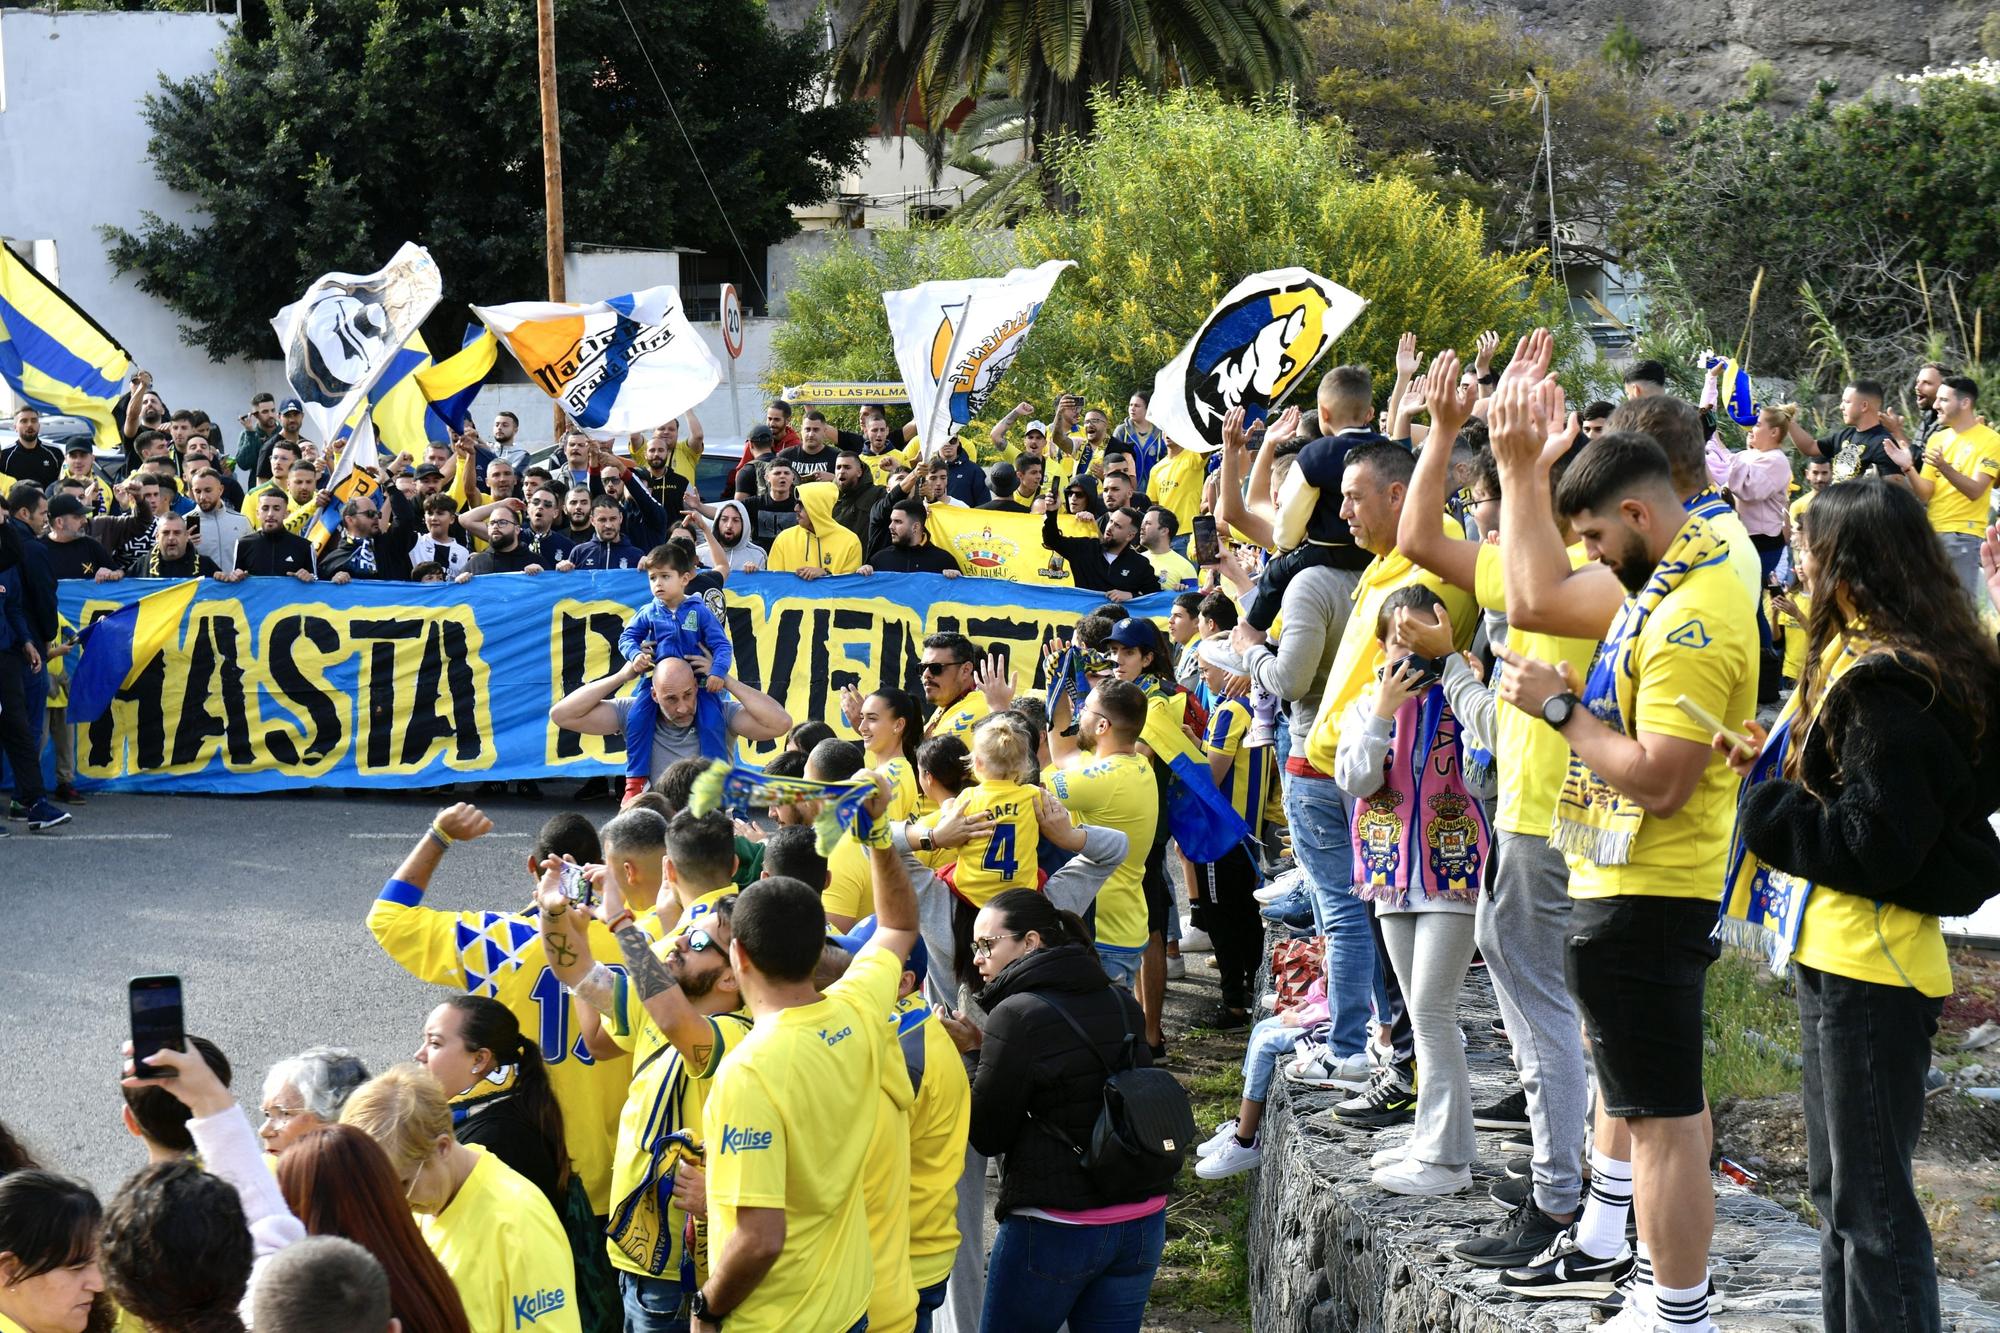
(1593, 819)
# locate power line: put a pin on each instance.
(723, 213)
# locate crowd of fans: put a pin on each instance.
(1479, 673)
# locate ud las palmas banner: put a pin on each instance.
(614, 367)
(270, 685)
(955, 338)
(1252, 350)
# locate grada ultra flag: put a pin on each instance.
(955, 339)
(614, 367)
(1250, 352)
(342, 335)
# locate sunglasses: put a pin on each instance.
(933, 668)
(700, 941)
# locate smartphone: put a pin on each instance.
(1430, 669)
(577, 887)
(1712, 724)
(155, 1005)
(1207, 545)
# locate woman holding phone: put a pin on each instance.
(1869, 799)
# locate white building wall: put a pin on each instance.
(73, 159)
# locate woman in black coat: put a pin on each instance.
(1067, 1250)
(1873, 795)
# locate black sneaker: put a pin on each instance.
(1564, 1270)
(1609, 1307)
(1509, 1112)
(1512, 1241)
(1511, 1191)
(1517, 1143)
(1518, 1167)
(1390, 1100)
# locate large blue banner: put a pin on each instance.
(275, 684)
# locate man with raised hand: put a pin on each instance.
(788, 1229)
(1643, 816)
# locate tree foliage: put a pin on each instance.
(1421, 84)
(1054, 53)
(1178, 198)
(356, 125)
(1889, 210)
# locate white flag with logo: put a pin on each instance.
(954, 339)
(614, 367)
(343, 334)
(1251, 351)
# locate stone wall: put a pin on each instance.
(1329, 1253)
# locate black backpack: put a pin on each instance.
(1144, 1130)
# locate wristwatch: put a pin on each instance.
(1557, 709)
(698, 1309)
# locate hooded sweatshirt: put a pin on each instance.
(732, 558)
(829, 545)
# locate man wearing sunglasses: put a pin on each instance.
(950, 665)
(676, 1009)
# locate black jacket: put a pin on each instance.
(1031, 1063)
(1131, 572)
(1895, 799)
(930, 558)
(500, 1126)
(271, 553)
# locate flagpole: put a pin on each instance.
(552, 190)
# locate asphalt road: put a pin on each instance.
(257, 902)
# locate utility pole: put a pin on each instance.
(552, 189)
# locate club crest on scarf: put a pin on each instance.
(1453, 838)
(1378, 834)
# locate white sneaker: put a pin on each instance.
(1176, 968)
(1389, 1157)
(1413, 1177)
(1195, 940)
(1633, 1319)
(1229, 1160)
(1279, 885)
(1223, 1133)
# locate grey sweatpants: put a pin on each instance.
(1430, 952)
(1523, 924)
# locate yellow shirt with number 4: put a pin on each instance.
(1006, 858)
(1974, 453)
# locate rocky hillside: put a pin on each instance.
(1698, 50)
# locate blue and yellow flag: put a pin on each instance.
(114, 649)
(54, 356)
(454, 382)
(1734, 393)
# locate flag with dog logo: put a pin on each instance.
(343, 336)
(954, 339)
(1252, 351)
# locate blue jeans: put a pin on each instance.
(1121, 965)
(1314, 808)
(652, 1304)
(1095, 1278)
(928, 1300)
(1270, 1042)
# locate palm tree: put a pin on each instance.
(929, 54)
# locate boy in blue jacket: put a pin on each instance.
(676, 624)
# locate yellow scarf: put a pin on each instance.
(1593, 820)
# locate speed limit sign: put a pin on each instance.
(732, 321)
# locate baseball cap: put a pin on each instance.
(1216, 652)
(65, 506)
(760, 435)
(290, 405)
(429, 470)
(79, 447)
(1002, 474)
(918, 960)
(1037, 428)
(1136, 632)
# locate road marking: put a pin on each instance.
(115, 837)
